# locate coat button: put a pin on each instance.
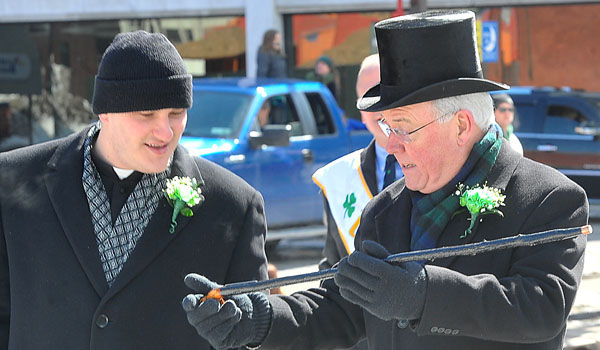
(102, 321)
(402, 324)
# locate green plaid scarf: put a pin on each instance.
(431, 213)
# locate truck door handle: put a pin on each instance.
(308, 155)
(547, 148)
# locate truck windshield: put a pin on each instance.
(217, 114)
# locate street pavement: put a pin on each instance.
(583, 327)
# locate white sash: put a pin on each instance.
(346, 190)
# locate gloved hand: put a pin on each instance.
(242, 320)
(384, 290)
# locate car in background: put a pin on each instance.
(561, 128)
(305, 130)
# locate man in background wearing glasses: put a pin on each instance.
(359, 175)
(439, 119)
(504, 111)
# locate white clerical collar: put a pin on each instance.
(123, 173)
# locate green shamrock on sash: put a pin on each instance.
(349, 204)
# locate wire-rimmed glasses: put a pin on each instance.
(403, 135)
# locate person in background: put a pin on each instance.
(504, 111)
(343, 177)
(270, 60)
(439, 120)
(263, 113)
(326, 73)
(5, 121)
(92, 252)
(8, 139)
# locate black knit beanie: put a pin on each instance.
(141, 71)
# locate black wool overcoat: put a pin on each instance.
(53, 292)
(516, 298)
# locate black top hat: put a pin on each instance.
(424, 57)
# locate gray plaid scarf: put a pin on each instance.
(115, 243)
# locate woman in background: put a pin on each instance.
(504, 111)
(270, 61)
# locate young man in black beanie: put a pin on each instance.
(97, 230)
(439, 123)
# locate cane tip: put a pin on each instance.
(587, 229)
(213, 294)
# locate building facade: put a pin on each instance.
(50, 50)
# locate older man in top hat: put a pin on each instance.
(439, 120)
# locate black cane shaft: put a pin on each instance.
(418, 255)
(255, 286)
(486, 246)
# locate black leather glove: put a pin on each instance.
(384, 290)
(243, 320)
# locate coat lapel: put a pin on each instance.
(63, 182)
(390, 222)
(156, 237)
(367, 164)
(499, 176)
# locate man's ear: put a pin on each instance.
(103, 117)
(465, 126)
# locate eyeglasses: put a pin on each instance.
(505, 109)
(403, 135)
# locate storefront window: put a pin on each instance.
(345, 39)
(47, 70)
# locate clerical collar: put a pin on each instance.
(122, 173)
(106, 169)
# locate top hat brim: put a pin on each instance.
(372, 101)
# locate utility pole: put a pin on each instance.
(418, 6)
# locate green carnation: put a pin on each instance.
(182, 194)
(479, 201)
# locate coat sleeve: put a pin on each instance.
(530, 303)
(334, 249)
(318, 318)
(249, 260)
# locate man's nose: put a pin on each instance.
(162, 127)
(394, 145)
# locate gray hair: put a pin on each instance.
(479, 103)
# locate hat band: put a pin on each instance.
(391, 93)
(120, 96)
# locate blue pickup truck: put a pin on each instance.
(561, 128)
(274, 134)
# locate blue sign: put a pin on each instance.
(489, 41)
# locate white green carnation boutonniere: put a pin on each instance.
(479, 201)
(182, 194)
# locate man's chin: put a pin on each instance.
(409, 185)
(154, 168)
(414, 186)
